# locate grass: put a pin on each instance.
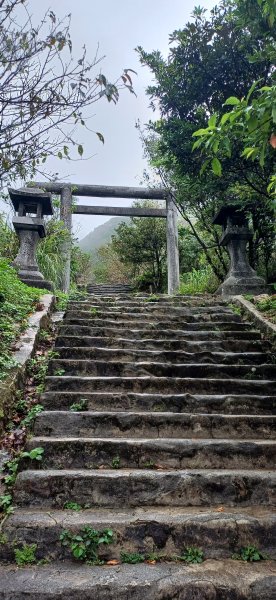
(201, 281)
(17, 302)
(267, 306)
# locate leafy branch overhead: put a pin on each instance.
(201, 91)
(250, 124)
(44, 92)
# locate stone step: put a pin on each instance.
(163, 531)
(141, 299)
(148, 308)
(174, 356)
(153, 425)
(229, 404)
(215, 580)
(158, 334)
(163, 385)
(144, 317)
(92, 453)
(175, 326)
(133, 487)
(98, 368)
(173, 345)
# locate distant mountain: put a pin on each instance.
(101, 235)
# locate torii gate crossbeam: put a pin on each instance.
(66, 190)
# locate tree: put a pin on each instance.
(108, 267)
(207, 64)
(142, 246)
(44, 93)
(251, 122)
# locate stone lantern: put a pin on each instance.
(241, 278)
(30, 204)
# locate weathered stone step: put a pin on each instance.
(229, 404)
(140, 299)
(215, 580)
(163, 531)
(115, 368)
(137, 355)
(159, 334)
(141, 324)
(153, 425)
(144, 317)
(148, 308)
(130, 488)
(92, 453)
(173, 345)
(163, 385)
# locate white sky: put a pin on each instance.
(118, 26)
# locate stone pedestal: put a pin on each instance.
(29, 230)
(241, 278)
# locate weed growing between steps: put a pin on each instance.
(75, 506)
(25, 555)
(80, 406)
(85, 545)
(250, 554)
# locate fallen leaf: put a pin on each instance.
(113, 562)
(273, 140)
(220, 509)
(151, 562)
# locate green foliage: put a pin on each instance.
(85, 545)
(17, 301)
(11, 466)
(249, 554)
(196, 79)
(267, 305)
(152, 298)
(79, 406)
(132, 558)
(236, 309)
(198, 282)
(115, 463)
(108, 267)
(72, 506)
(25, 555)
(8, 239)
(141, 245)
(250, 124)
(192, 555)
(31, 415)
(38, 367)
(59, 372)
(6, 503)
(93, 311)
(34, 454)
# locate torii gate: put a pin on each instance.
(66, 190)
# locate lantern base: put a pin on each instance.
(37, 283)
(237, 286)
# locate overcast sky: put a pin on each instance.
(118, 26)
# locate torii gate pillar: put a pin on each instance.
(172, 247)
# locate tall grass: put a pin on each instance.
(201, 281)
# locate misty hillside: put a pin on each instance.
(101, 235)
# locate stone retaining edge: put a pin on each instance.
(254, 315)
(27, 343)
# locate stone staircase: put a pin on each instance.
(175, 449)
